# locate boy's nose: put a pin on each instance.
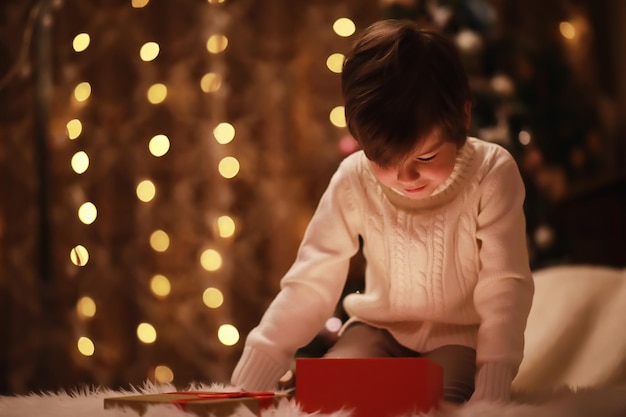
(408, 173)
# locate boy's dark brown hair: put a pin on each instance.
(399, 83)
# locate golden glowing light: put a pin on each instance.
(211, 260)
(228, 334)
(146, 333)
(163, 374)
(216, 1)
(159, 145)
(86, 346)
(335, 62)
(74, 128)
(568, 31)
(138, 4)
(228, 167)
(82, 91)
(224, 133)
(217, 43)
(81, 42)
(86, 307)
(338, 116)
(80, 162)
(212, 297)
(210, 82)
(145, 191)
(225, 226)
(157, 93)
(87, 212)
(159, 241)
(344, 27)
(149, 51)
(160, 285)
(79, 255)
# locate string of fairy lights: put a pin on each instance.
(228, 166)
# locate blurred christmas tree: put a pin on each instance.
(536, 93)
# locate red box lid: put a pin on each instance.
(371, 387)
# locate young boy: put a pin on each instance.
(440, 215)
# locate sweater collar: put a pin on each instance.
(444, 192)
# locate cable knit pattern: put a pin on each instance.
(449, 269)
(437, 250)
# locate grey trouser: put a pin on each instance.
(360, 340)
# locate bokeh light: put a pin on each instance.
(157, 93)
(212, 297)
(335, 62)
(344, 27)
(217, 43)
(146, 190)
(87, 212)
(86, 346)
(163, 374)
(82, 91)
(146, 333)
(524, 137)
(149, 51)
(224, 133)
(138, 4)
(74, 128)
(211, 260)
(568, 31)
(210, 82)
(159, 241)
(81, 42)
(333, 324)
(79, 255)
(86, 307)
(228, 334)
(225, 226)
(160, 285)
(159, 145)
(338, 116)
(80, 162)
(287, 376)
(228, 167)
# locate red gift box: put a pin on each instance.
(218, 404)
(371, 387)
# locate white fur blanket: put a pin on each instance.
(606, 402)
(574, 363)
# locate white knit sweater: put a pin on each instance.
(450, 269)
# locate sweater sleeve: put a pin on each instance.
(310, 290)
(504, 292)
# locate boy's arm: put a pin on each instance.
(309, 292)
(503, 295)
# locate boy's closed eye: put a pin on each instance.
(426, 159)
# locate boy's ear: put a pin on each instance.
(468, 114)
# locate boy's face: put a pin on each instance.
(428, 166)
